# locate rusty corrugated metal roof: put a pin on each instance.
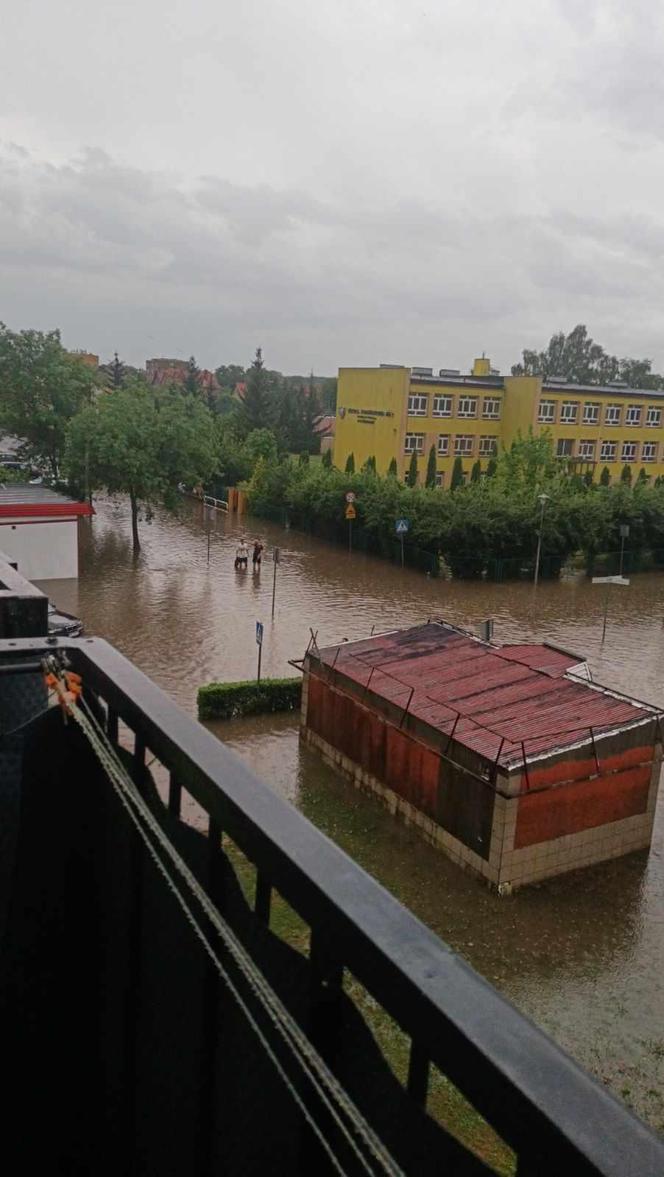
(496, 700)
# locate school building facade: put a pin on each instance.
(390, 412)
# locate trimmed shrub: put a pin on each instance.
(225, 700)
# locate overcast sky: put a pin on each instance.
(340, 181)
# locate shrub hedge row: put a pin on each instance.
(224, 700)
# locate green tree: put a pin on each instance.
(476, 472)
(42, 387)
(141, 443)
(298, 412)
(411, 477)
(491, 467)
(118, 373)
(191, 382)
(392, 469)
(457, 474)
(643, 477)
(303, 459)
(260, 443)
(626, 474)
(258, 407)
(577, 358)
(432, 466)
(369, 466)
(326, 461)
(350, 464)
(229, 376)
(328, 394)
(605, 477)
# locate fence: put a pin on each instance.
(183, 1086)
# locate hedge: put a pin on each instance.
(224, 700)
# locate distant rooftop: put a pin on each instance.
(23, 499)
(617, 389)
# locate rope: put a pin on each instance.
(328, 1088)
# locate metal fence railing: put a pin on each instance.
(552, 1115)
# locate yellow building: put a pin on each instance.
(391, 412)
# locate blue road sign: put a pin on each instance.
(259, 633)
(402, 526)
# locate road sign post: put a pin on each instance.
(606, 581)
(274, 578)
(350, 515)
(259, 643)
(402, 526)
(208, 513)
(624, 532)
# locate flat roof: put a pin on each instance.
(601, 389)
(496, 700)
(495, 382)
(19, 499)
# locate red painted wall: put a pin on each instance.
(582, 805)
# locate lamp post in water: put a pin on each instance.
(543, 499)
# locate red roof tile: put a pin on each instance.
(497, 699)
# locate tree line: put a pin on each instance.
(480, 527)
(123, 436)
(578, 358)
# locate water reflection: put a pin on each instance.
(583, 955)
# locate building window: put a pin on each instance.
(612, 415)
(463, 444)
(418, 405)
(564, 449)
(414, 443)
(608, 451)
(488, 447)
(633, 415)
(587, 450)
(440, 478)
(547, 411)
(443, 445)
(654, 417)
(649, 451)
(467, 406)
(491, 408)
(591, 413)
(569, 411)
(442, 406)
(628, 451)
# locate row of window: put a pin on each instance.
(418, 406)
(608, 450)
(569, 413)
(463, 445)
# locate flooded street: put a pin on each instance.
(582, 955)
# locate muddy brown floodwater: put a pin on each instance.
(582, 955)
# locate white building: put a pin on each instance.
(39, 530)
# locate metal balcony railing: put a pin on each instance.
(553, 1116)
(550, 1112)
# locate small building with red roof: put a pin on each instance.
(39, 530)
(507, 757)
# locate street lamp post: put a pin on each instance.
(543, 499)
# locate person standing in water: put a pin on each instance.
(241, 554)
(257, 555)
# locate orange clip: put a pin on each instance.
(68, 688)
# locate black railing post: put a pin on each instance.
(210, 1014)
(112, 725)
(174, 795)
(418, 1074)
(263, 897)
